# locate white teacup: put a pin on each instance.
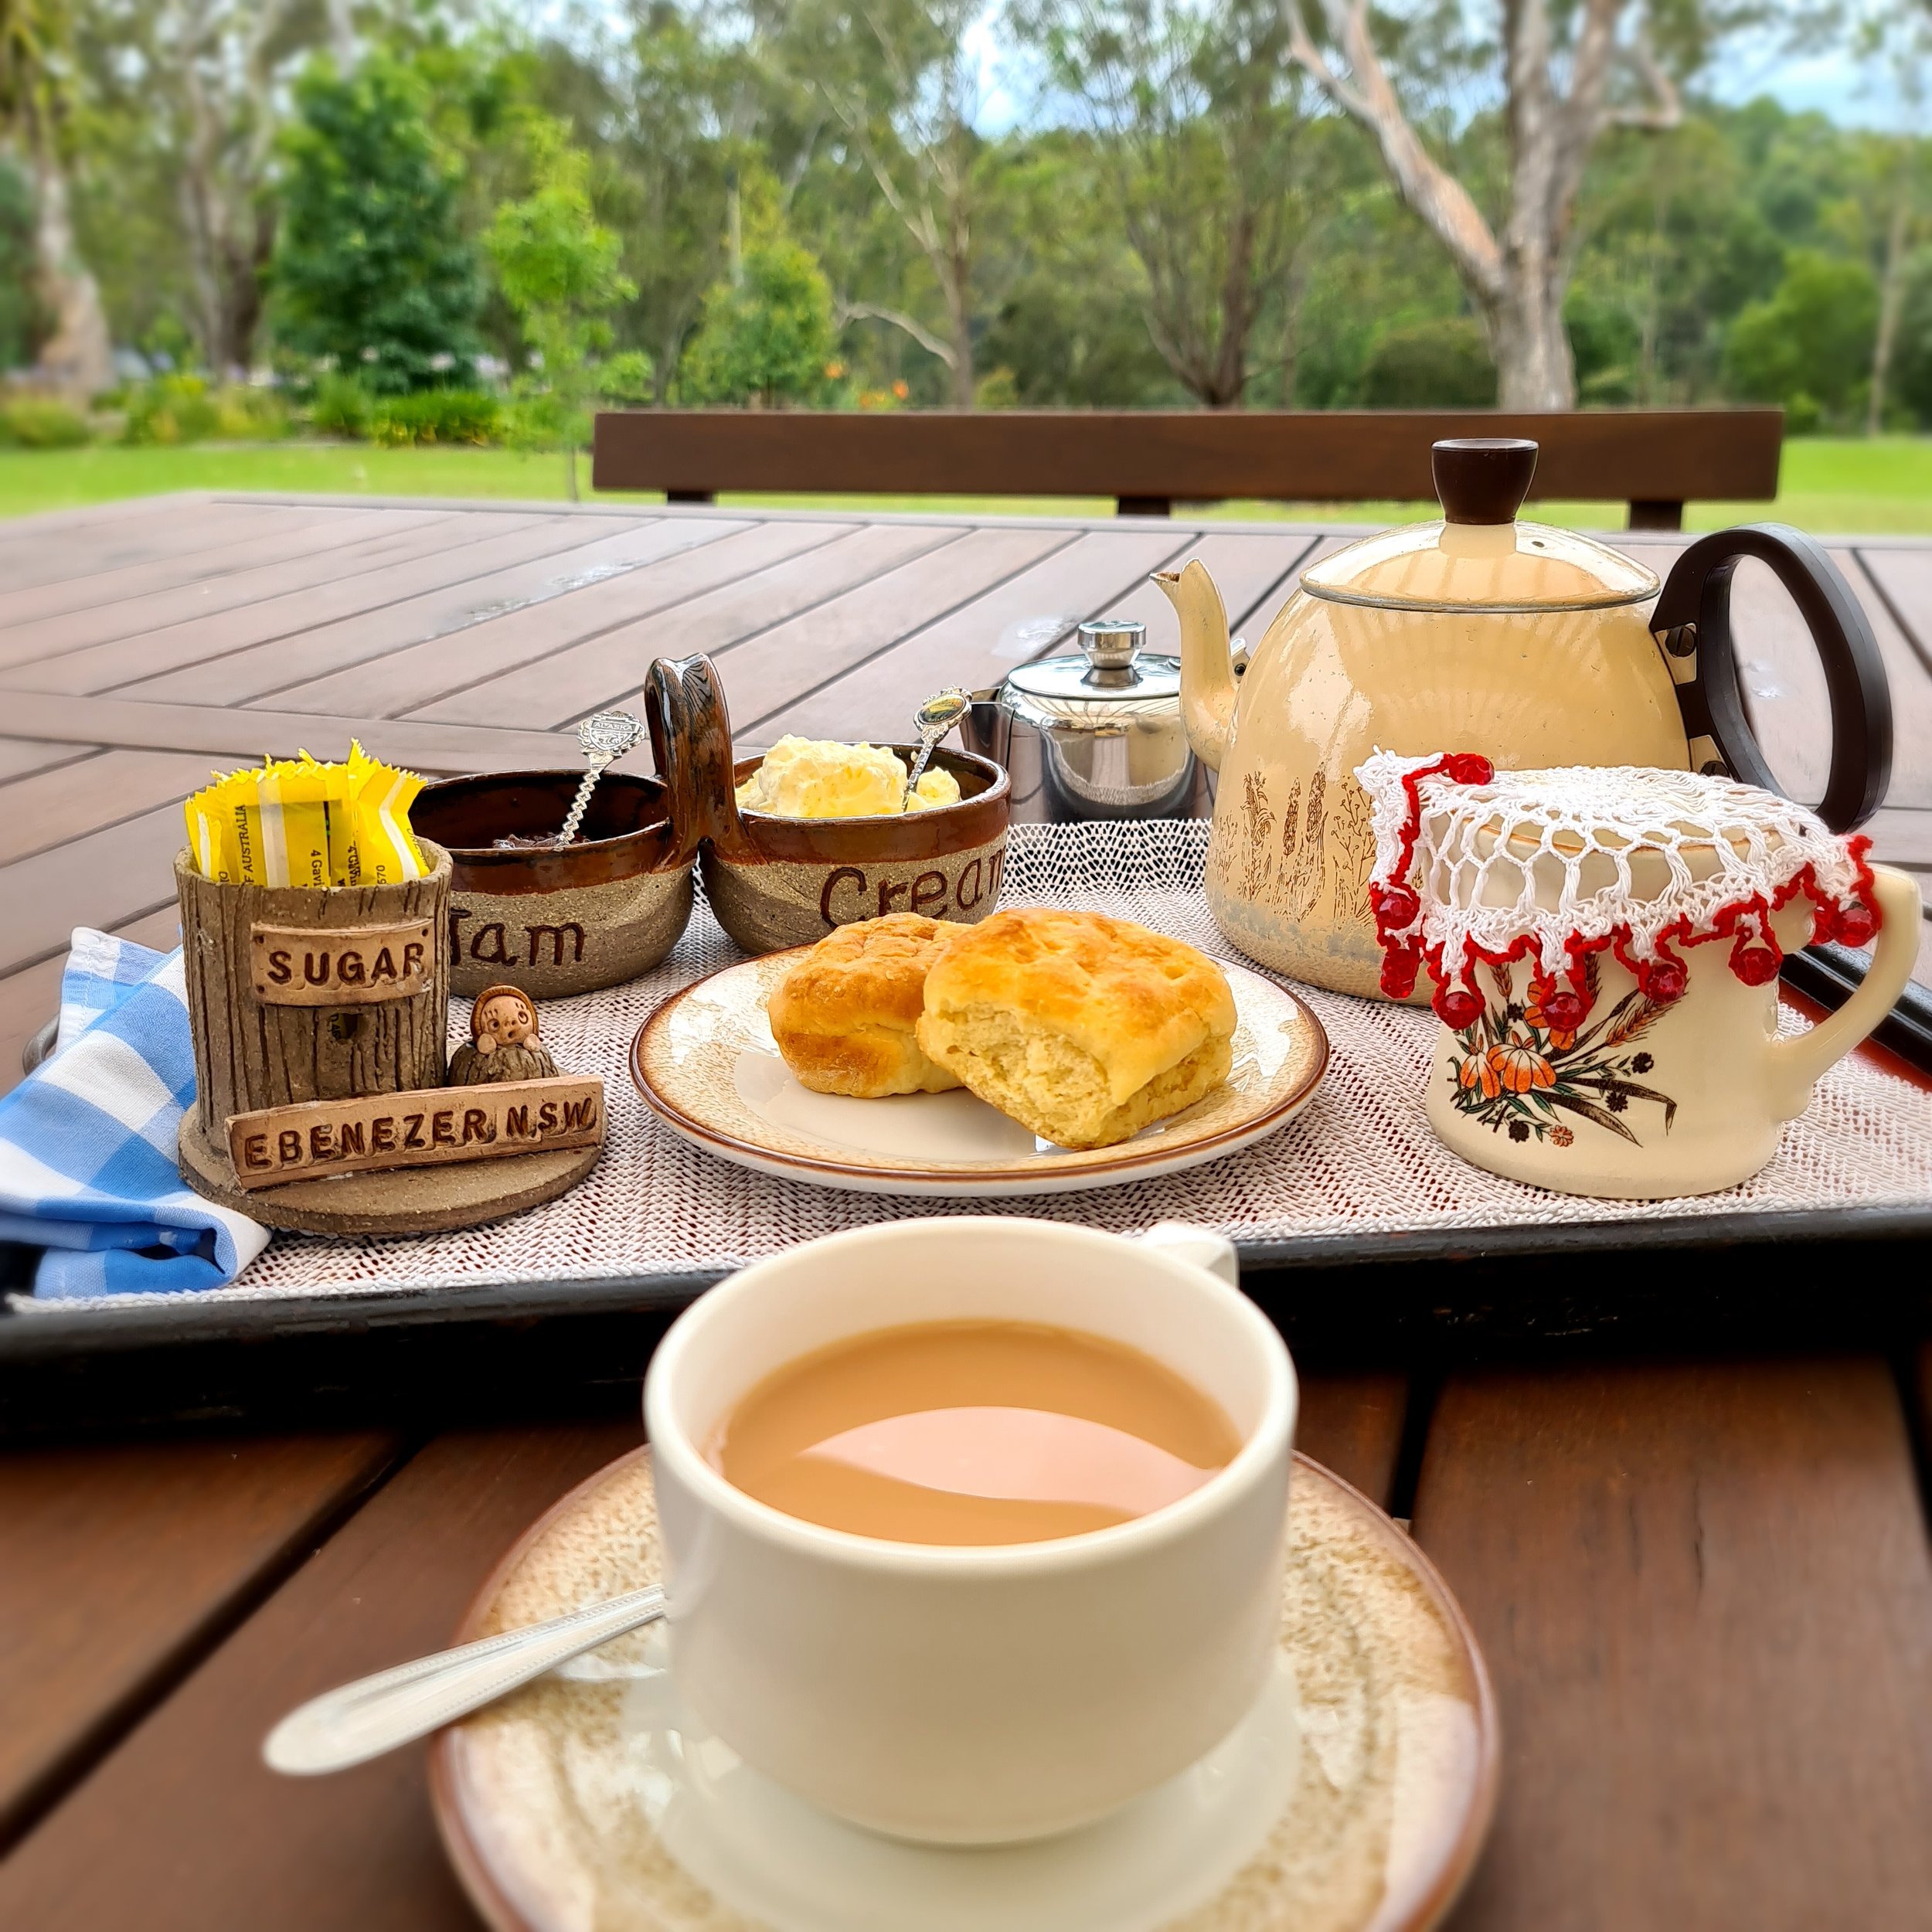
(975, 1694)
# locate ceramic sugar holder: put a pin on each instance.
(1604, 944)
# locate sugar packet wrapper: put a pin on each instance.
(300, 822)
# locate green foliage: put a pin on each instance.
(1436, 365)
(767, 338)
(627, 379)
(186, 408)
(557, 266)
(1912, 356)
(1809, 346)
(437, 416)
(37, 422)
(369, 271)
(340, 406)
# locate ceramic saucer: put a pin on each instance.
(1354, 1796)
(705, 1063)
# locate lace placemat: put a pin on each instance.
(1361, 1159)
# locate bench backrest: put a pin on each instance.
(1656, 460)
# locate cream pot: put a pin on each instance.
(975, 1694)
(1533, 646)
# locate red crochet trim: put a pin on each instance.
(1756, 955)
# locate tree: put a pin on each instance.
(907, 103)
(1516, 275)
(558, 267)
(1197, 116)
(1809, 346)
(369, 270)
(767, 338)
(35, 89)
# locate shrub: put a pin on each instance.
(340, 406)
(183, 409)
(1437, 365)
(38, 423)
(627, 379)
(438, 416)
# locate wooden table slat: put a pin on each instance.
(75, 546)
(784, 569)
(116, 1562)
(977, 644)
(1705, 1598)
(57, 807)
(327, 587)
(296, 534)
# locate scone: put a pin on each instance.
(1083, 1028)
(843, 1017)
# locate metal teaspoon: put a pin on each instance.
(603, 738)
(361, 1720)
(934, 718)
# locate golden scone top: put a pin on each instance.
(1138, 1002)
(875, 969)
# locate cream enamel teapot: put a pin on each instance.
(1535, 647)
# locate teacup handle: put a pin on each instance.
(1799, 1061)
(684, 705)
(1200, 1247)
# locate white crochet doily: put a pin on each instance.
(1361, 1162)
(1472, 864)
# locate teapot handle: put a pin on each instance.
(1693, 615)
(684, 706)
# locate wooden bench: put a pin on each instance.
(1656, 460)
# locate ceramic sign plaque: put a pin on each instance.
(355, 966)
(425, 1128)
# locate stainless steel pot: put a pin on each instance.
(1094, 736)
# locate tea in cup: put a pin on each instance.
(973, 1527)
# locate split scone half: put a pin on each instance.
(1083, 1028)
(844, 1016)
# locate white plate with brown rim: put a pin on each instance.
(1354, 1797)
(707, 1065)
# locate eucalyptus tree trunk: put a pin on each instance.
(78, 357)
(1891, 298)
(1515, 279)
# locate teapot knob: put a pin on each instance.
(1111, 645)
(1482, 479)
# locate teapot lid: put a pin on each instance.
(1113, 680)
(1476, 557)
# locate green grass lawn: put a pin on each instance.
(1830, 486)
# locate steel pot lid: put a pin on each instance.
(1477, 557)
(1112, 683)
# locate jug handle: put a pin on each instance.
(684, 707)
(1800, 1059)
(1693, 614)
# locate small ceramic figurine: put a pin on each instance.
(504, 1044)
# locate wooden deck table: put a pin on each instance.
(1700, 1573)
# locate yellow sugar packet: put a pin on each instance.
(211, 838)
(294, 824)
(386, 848)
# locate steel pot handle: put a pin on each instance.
(684, 707)
(1693, 615)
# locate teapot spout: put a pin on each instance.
(1207, 666)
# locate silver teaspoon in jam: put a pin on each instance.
(604, 738)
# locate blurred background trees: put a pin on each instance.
(874, 203)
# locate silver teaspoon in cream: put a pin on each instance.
(934, 718)
(373, 1715)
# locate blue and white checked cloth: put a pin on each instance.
(87, 1169)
